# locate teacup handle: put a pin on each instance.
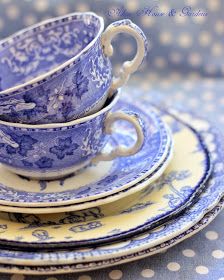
(128, 67)
(120, 151)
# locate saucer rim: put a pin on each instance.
(181, 225)
(155, 162)
(98, 201)
(148, 225)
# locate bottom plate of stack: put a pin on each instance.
(182, 201)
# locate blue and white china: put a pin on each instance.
(142, 244)
(55, 150)
(89, 203)
(59, 70)
(99, 264)
(99, 180)
(178, 187)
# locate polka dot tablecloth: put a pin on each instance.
(185, 67)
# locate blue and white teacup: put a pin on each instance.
(59, 70)
(48, 151)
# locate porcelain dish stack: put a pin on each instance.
(92, 176)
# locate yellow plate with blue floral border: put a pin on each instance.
(176, 189)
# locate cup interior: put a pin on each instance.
(37, 50)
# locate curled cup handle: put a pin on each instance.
(128, 67)
(121, 151)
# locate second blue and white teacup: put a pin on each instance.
(59, 70)
(51, 151)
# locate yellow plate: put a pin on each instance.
(181, 181)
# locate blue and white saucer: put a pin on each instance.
(96, 181)
(148, 243)
(173, 192)
(98, 201)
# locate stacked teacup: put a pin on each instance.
(57, 95)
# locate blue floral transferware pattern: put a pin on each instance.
(88, 266)
(180, 185)
(98, 201)
(59, 146)
(144, 243)
(69, 93)
(56, 150)
(57, 70)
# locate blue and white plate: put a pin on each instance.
(142, 245)
(98, 201)
(99, 180)
(88, 266)
(176, 189)
(134, 246)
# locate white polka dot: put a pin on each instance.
(165, 38)
(147, 21)
(218, 254)
(179, 95)
(217, 49)
(185, 40)
(193, 102)
(132, 6)
(17, 277)
(209, 107)
(62, 9)
(175, 57)
(12, 12)
(201, 269)
(211, 235)
(153, 76)
(84, 277)
(204, 38)
(194, 75)
(219, 27)
(199, 19)
(127, 48)
(188, 85)
(29, 19)
(188, 253)
(210, 69)
(164, 7)
(166, 83)
(40, 5)
(180, 20)
(82, 7)
(207, 95)
(147, 273)
(160, 62)
(213, 5)
(145, 85)
(173, 266)
(194, 59)
(115, 274)
(191, 2)
(175, 75)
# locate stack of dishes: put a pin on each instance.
(75, 195)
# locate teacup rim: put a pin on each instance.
(115, 97)
(63, 65)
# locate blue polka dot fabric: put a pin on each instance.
(184, 68)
